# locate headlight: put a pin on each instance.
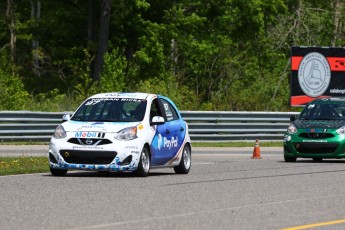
(292, 129)
(127, 134)
(59, 132)
(341, 130)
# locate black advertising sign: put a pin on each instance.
(316, 72)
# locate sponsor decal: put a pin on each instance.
(98, 123)
(89, 135)
(86, 147)
(135, 152)
(315, 141)
(93, 101)
(140, 127)
(101, 135)
(92, 126)
(316, 130)
(131, 147)
(131, 99)
(314, 74)
(112, 95)
(170, 143)
(85, 134)
(166, 143)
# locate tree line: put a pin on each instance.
(205, 55)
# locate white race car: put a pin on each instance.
(121, 132)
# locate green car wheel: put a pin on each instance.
(290, 159)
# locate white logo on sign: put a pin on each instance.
(314, 74)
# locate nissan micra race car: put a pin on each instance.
(318, 132)
(121, 132)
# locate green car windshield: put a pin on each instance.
(323, 111)
(111, 109)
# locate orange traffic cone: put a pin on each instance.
(256, 152)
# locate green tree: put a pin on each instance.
(12, 93)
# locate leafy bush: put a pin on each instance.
(12, 93)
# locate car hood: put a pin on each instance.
(78, 126)
(329, 124)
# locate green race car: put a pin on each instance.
(318, 132)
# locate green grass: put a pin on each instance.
(23, 143)
(23, 165)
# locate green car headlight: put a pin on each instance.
(292, 129)
(341, 130)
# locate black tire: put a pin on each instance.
(317, 159)
(144, 163)
(58, 172)
(186, 161)
(290, 159)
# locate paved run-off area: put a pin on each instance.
(225, 189)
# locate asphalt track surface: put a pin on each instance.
(225, 189)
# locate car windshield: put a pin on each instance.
(326, 111)
(111, 109)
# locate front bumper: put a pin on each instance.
(297, 146)
(118, 156)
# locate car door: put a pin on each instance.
(169, 136)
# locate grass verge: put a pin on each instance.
(29, 164)
(195, 144)
(23, 165)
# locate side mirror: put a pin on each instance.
(66, 117)
(157, 120)
(293, 117)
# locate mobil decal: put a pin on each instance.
(86, 134)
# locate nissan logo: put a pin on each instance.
(316, 135)
(89, 142)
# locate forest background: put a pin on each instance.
(226, 55)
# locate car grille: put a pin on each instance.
(88, 157)
(89, 141)
(317, 148)
(316, 135)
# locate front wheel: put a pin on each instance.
(58, 172)
(186, 161)
(144, 163)
(290, 159)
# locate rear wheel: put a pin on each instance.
(144, 163)
(186, 161)
(290, 159)
(58, 172)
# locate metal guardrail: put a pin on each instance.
(204, 126)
